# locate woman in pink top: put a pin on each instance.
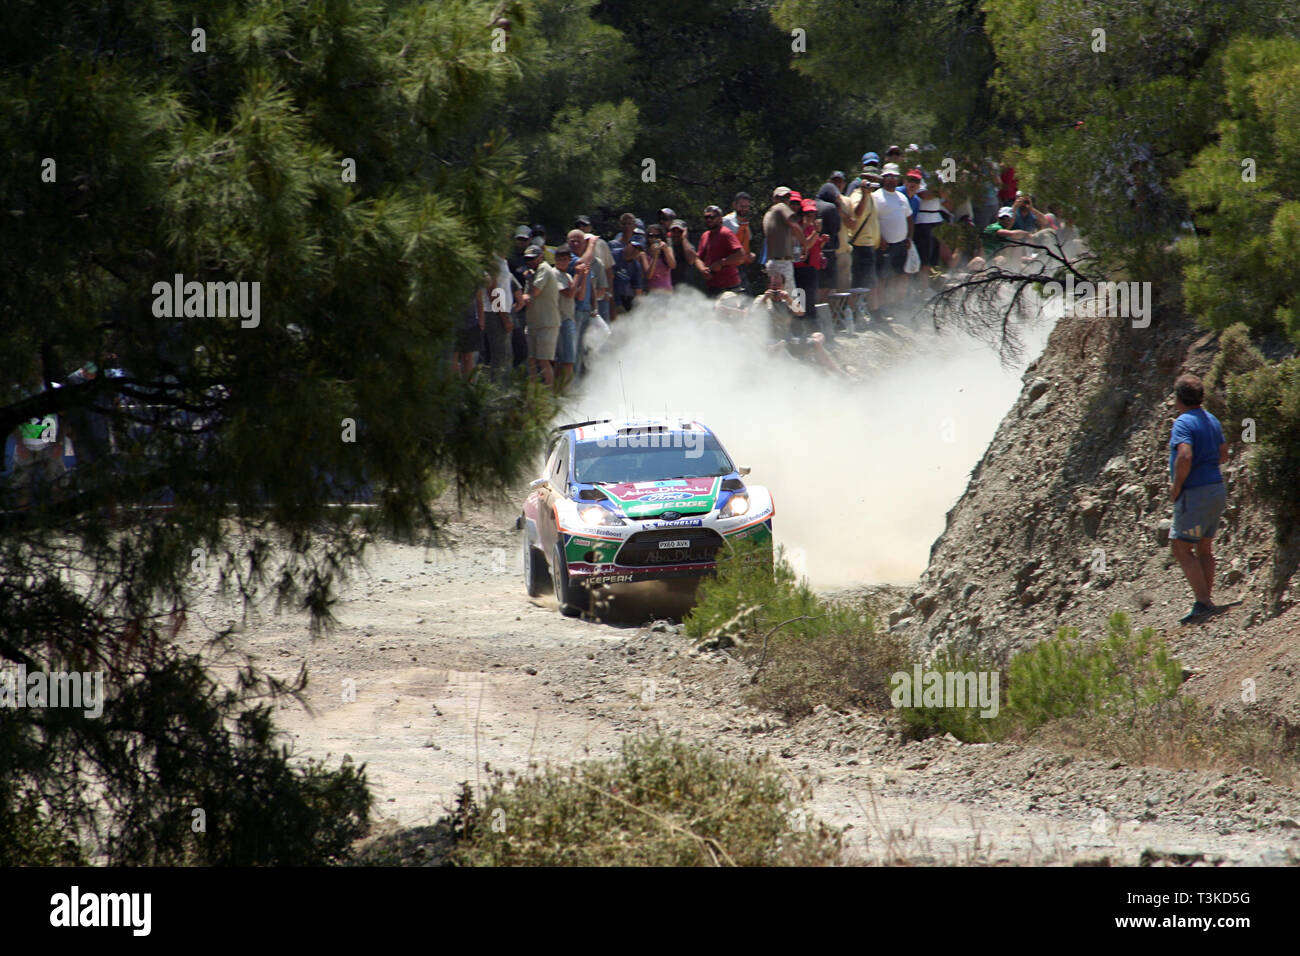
(660, 261)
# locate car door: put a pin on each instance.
(555, 490)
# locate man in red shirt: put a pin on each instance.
(1007, 192)
(719, 254)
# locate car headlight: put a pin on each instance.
(737, 506)
(596, 515)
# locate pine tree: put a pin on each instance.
(328, 153)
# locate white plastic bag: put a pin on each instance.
(913, 264)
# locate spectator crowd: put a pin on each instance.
(863, 245)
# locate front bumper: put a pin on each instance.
(595, 560)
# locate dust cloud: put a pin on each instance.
(862, 470)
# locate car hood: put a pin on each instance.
(650, 499)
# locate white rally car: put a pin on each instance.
(624, 501)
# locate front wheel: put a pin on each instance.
(572, 598)
(535, 574)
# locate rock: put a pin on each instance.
(1037, 388)
(1091, 509)
(927, 603)
(900, 613)
(531, 671)
(1115, 467)
(1144, 599)
(1028, 597)
(1026, 572)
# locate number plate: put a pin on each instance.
(676, 543)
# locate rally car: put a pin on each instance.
(625, 501)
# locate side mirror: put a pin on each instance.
(537, 483)
(743, 469)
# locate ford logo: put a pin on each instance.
(670, 515)
(667, 496)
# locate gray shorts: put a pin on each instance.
(542, 342)
(1197, 512)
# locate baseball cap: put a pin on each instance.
(871, 169)
(838, 174)
(914, 174)
(795, 196)
(1006, 211)
(808, 205)
(889, 169)
(678, 224)
(583, 222)
(532, 252)
(667, 213)
(893, 149)
(523, 232)
(870, 158)
(781, 192)
(731, 302)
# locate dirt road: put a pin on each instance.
(442, 665)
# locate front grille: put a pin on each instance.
(688, 513)
(642, 549)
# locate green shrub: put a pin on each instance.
(1271, 397)
(965, 723)
(28, 837)
(1237, 355)
(1118, 676)
(752, 592)
(805, 651)
(662, 802)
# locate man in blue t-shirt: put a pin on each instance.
(1196, 449)
(628, 281)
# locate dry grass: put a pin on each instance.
(1183, 736)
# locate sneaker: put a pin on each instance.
(1198, 611)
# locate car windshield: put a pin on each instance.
(653, 456)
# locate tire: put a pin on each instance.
(572, 598)
(536, 577)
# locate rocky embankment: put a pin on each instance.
(1066, 519)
